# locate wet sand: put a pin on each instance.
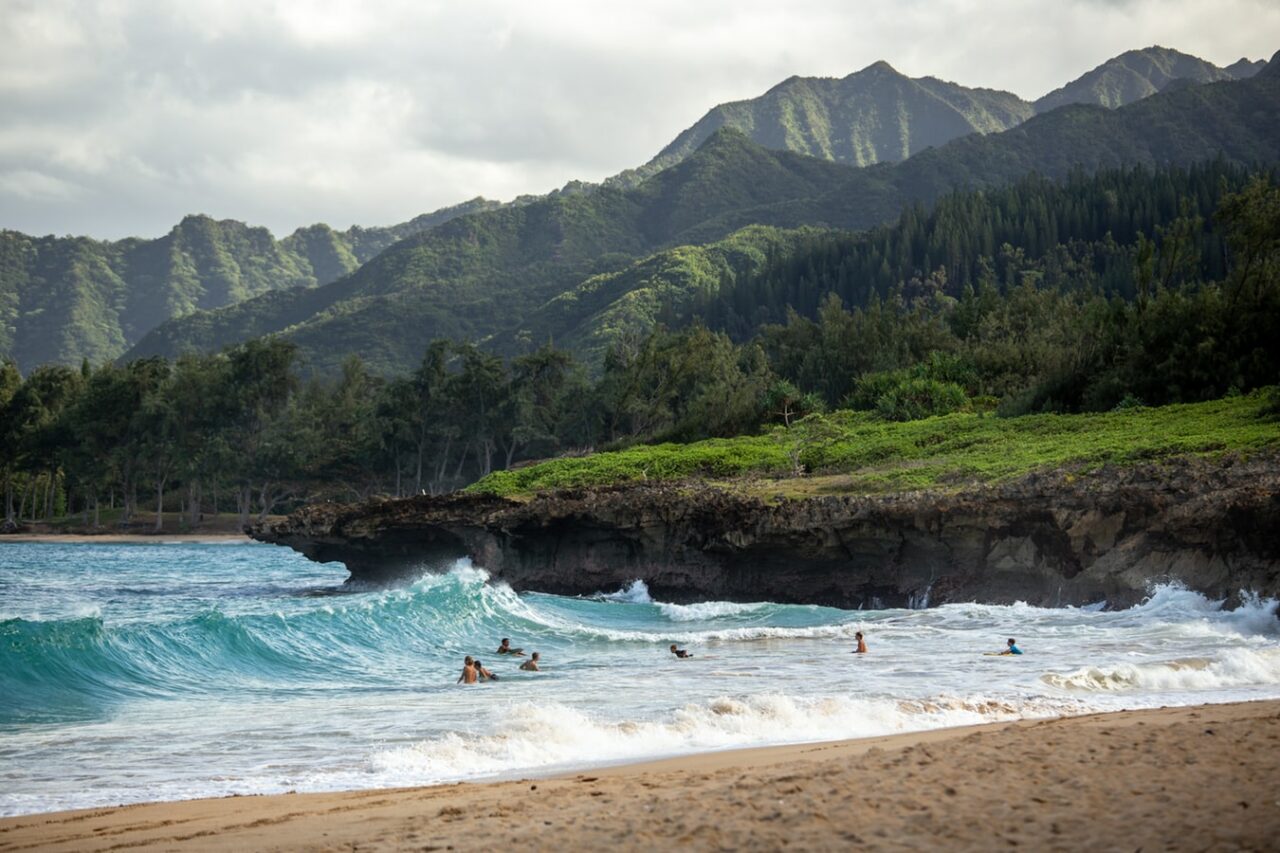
(1198, 778)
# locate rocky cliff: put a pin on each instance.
(1047, 539)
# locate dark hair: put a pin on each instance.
(1012, 641)
(857, 634)
(478, 664)
(506, 640)
(535, 654)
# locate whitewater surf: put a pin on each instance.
(145, 672)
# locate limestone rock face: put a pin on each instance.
(1047, 539)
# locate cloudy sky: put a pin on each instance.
(118, 117)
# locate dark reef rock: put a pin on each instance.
(1047, 539)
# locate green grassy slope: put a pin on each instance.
(850, 452)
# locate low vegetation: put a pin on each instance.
(859, 452)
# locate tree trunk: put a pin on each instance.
(194, 495)
(8, 498)
(462, 460)
(48, 497)
(243, 496)
(398, 473)
(160, 503)
(97, 517)
(417, 476)
(26, 492)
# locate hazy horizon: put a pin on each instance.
(122, 117)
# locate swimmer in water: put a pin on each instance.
(680, 653)
(531, 665)
(469, 675)
(484, 674)
(862, 644)
(1013, 648)
(505, 648)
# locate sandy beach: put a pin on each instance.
(1196, 778)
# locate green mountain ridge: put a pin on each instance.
(471, 276)
(878, 115)
(64, 299)
(1137, 74)
(518, 274)
(871, 116)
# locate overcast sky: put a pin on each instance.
(118, 117)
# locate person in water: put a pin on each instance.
(531, 665)
(469, 674)
(1013, 648)
(505, 648)
(484, 674)
(680, 653)
(862, 644)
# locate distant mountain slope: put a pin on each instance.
(518, 273)
(1244, 68)
(1132, 76)
(479, 274)
(63, 299)
(626, 303)
(871, 116)
(878, 115)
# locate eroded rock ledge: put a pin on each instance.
(1047, 539)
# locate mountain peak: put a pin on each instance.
(878, 67)
(1132, 76)
(1244, 67)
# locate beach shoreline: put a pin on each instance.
(1192, 777)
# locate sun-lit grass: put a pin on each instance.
(855, 452)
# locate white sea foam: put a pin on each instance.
(1238, 667)
(708, 610)
(546, 736)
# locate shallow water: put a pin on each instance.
(143, 672)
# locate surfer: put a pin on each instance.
(469, 675)
(505, 648)
(680, 653)
(531, 665)
(1013, 648)
(862, 644)
(484, 674)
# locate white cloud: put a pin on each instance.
(121, 116)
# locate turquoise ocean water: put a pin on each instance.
(168, 671)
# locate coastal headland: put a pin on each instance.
(1193, 778)
(1069, 536)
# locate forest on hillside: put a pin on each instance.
(1126, 288)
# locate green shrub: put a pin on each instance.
(914, 399)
